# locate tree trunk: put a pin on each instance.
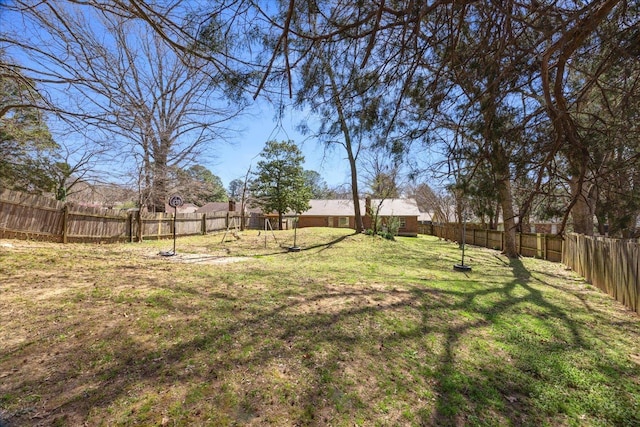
(144, 190)
(359, 225)
(504, 191)
(159, 191)
(493, 224)
(245, 189)
(500, 166)
(160, 176)
(584, 209)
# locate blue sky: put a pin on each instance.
(256, 128)
(228, 159)
(231, 158)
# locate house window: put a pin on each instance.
(343, 221)
(403, 222)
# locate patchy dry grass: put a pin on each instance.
(352, 330)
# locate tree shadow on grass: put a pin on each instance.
(321, 246)
(329, 245)
(331, 356)
(533, 364)
(284, 248)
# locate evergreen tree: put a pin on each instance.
(235, 189)
(198, 185)
(279, 182)
(26, 146)
(317, 184)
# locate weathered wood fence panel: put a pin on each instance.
(88, 224)
(26, 216)
(189, 224)
(612, 265)
(495, 239)
(220, 221)
(545, 246)
(29, 216)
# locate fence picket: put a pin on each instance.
(27, 216)
(611, 265)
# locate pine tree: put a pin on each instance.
(279, 182)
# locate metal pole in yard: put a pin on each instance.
(461, 266)
(174, 202)
(175, 213)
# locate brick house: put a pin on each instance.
(340, 213)
(185, 208)
(211, 207)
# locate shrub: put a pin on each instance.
(393, 225)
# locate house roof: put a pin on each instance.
(426, 216)
(214, 207)
(217, 207)
(329, 207)
(337, 207)
(185, 208)
(395, 207)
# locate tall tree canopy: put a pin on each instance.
(198, 185)
(158, 110)
(235, 189)
(526, 99)
(279, 181)
(317, 185)
(26, 146)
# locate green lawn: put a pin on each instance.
(352, 330)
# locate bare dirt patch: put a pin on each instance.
(204, 259)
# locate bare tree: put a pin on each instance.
(73, 165)
(436, 202)
(483, 71)
(245, 199)
(161, 110)
(382, 177)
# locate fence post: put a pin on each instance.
(130, 227)
(519, 243)
(139, 221)
(204, 224)
(65, 223)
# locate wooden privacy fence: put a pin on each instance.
(612, 265)
(544, 246)
(27, 216)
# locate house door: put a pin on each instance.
(330, 221)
